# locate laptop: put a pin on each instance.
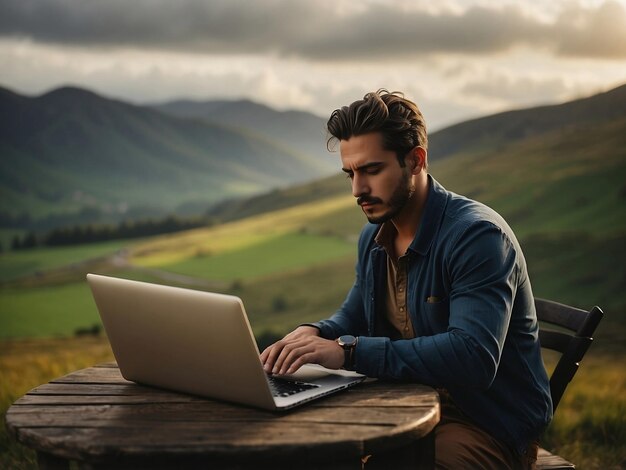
(199, 343)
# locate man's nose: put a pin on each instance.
(359, 186)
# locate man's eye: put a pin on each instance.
(373, 171)
(349, 176)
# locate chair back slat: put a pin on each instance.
(555, 340)
(591, 323)
(558, 314)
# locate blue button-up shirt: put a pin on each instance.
(472, 308)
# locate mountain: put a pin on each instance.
(71, 150)
(479, 134)
(72, 156)
(298, 131)
(553, 138)
(307, 132)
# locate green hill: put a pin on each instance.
(484, 134)
(71, 150)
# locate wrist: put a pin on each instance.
(309, 327)
(348, 344)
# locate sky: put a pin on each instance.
(457, 59)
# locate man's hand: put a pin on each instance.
(302, 346)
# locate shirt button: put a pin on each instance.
(402, 309)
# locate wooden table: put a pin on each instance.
(96, 418)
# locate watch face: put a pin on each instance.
(347, 340)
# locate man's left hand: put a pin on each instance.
(293, 351)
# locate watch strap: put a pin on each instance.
(348, 352)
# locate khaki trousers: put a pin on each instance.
(460, 444)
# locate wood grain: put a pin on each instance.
(95, 417)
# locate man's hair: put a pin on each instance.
(398, 119)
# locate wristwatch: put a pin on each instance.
(348, 343)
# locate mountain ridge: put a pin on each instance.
(613, 101)
(508, 126)
(72, 151)
(299, 131)
(71, 140)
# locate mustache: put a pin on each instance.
(368, 200)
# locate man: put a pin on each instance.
(441, 297)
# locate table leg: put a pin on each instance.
(424, 452)
(47, 461)
(420, 454)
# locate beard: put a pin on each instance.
(398, 200)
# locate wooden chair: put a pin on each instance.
(567, 330)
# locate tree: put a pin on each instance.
(16, 244)
(30, 240)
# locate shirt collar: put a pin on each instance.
(431, 218)
(385, 236)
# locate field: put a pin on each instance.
(296, 263)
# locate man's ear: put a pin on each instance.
(417, 160)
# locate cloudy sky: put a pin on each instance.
(456, 58)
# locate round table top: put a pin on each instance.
(96, 415)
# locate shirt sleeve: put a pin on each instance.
(349, 319)
(483, 267)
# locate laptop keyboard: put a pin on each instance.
(285, 388)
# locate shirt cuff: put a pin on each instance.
(369, 356)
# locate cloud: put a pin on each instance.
(598, 33)
(320, 30)
(510, 90)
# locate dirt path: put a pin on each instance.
(120, 260)
(74, 272)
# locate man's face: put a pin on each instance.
(382, 187)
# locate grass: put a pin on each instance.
(279, 302)
(17, 264)
(561, 181)
(59, 305)
(582, 270)
(273, 255)
(234, 236)
(46, 311)
(589, 426)
(274, 302)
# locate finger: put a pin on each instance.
(271, 354)
(277, 359)
(296, 356)
(284, 359)
(266, 352)
(299, 362)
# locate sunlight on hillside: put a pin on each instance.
(234, 236)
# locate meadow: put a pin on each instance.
(295, 264)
